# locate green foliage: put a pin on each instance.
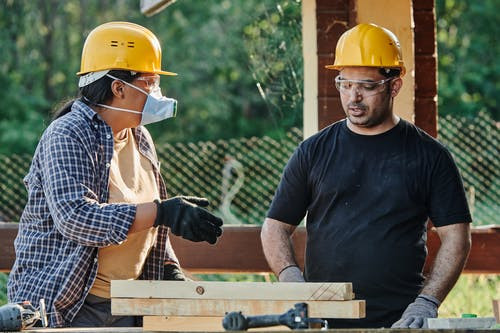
(467, 33)
(216, 92)
(472, 294)
(274, 44)
(21, 122)
(225, 52)
(3, 288)
(264, 277)
(205, 42)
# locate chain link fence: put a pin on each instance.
(474, 145)
(239, 176)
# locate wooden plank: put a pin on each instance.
(218, 308)
(86, 330)
(239, 250)
(496, 309)
(320, 291)
(484, 256)
(464, 323)
(193, 324)
(287, 330)
(8, 233)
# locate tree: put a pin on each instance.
(467, 57)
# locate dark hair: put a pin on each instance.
(390, 72)
(95, 93)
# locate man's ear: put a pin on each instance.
(396, 85)
(117, 88)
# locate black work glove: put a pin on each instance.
(173, 272)
(186, 218)
(415, 314)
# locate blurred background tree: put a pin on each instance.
(215, 46)
(239, 63)
(469, 70)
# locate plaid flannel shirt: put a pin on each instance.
(67, 217)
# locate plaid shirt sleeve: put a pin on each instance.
(69, 179)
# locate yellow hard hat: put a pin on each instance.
(121, 45)
(368, 45)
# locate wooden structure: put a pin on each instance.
(193, 305)
(239, 251)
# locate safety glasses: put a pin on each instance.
(363, 87)
(152, 81)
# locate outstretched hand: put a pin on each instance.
(187, 218)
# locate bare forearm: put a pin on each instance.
(450, 260)
(145, 216)
(277, 245)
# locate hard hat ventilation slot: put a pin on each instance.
(114, 43)
(131, 44)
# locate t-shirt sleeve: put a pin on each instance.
(447, 204)
(291, 198)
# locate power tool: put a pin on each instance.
(19, 316)
(296, 318)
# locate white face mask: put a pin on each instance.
(156, 108)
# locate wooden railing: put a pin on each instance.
(239, 250)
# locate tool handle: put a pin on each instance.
(235, 321)
(263, 321)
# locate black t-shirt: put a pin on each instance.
(367, 200)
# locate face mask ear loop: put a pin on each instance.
(118, 109)
(128, 84)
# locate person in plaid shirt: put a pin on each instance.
(97, 206)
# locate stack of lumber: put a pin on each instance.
(201, 305)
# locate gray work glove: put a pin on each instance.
(415, 314)
(290, 273)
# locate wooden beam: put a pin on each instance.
(239, 250)
(193, 324)
(496, 309)
(177, 324)
(218, 307)
(8, 232)
(484, 257)
(339, 330)
(310, 291)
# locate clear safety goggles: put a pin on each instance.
(152, 81)
(363, 87)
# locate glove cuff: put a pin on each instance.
(431, 299)
(290, 273)
(158, 213)
(173, 272)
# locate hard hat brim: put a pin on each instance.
(338, 68)
(128, 69)
(166, 73)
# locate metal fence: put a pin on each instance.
(474, 144)
(239, 176)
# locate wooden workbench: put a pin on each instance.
(355, 330)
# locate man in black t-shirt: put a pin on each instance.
(368, 185)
